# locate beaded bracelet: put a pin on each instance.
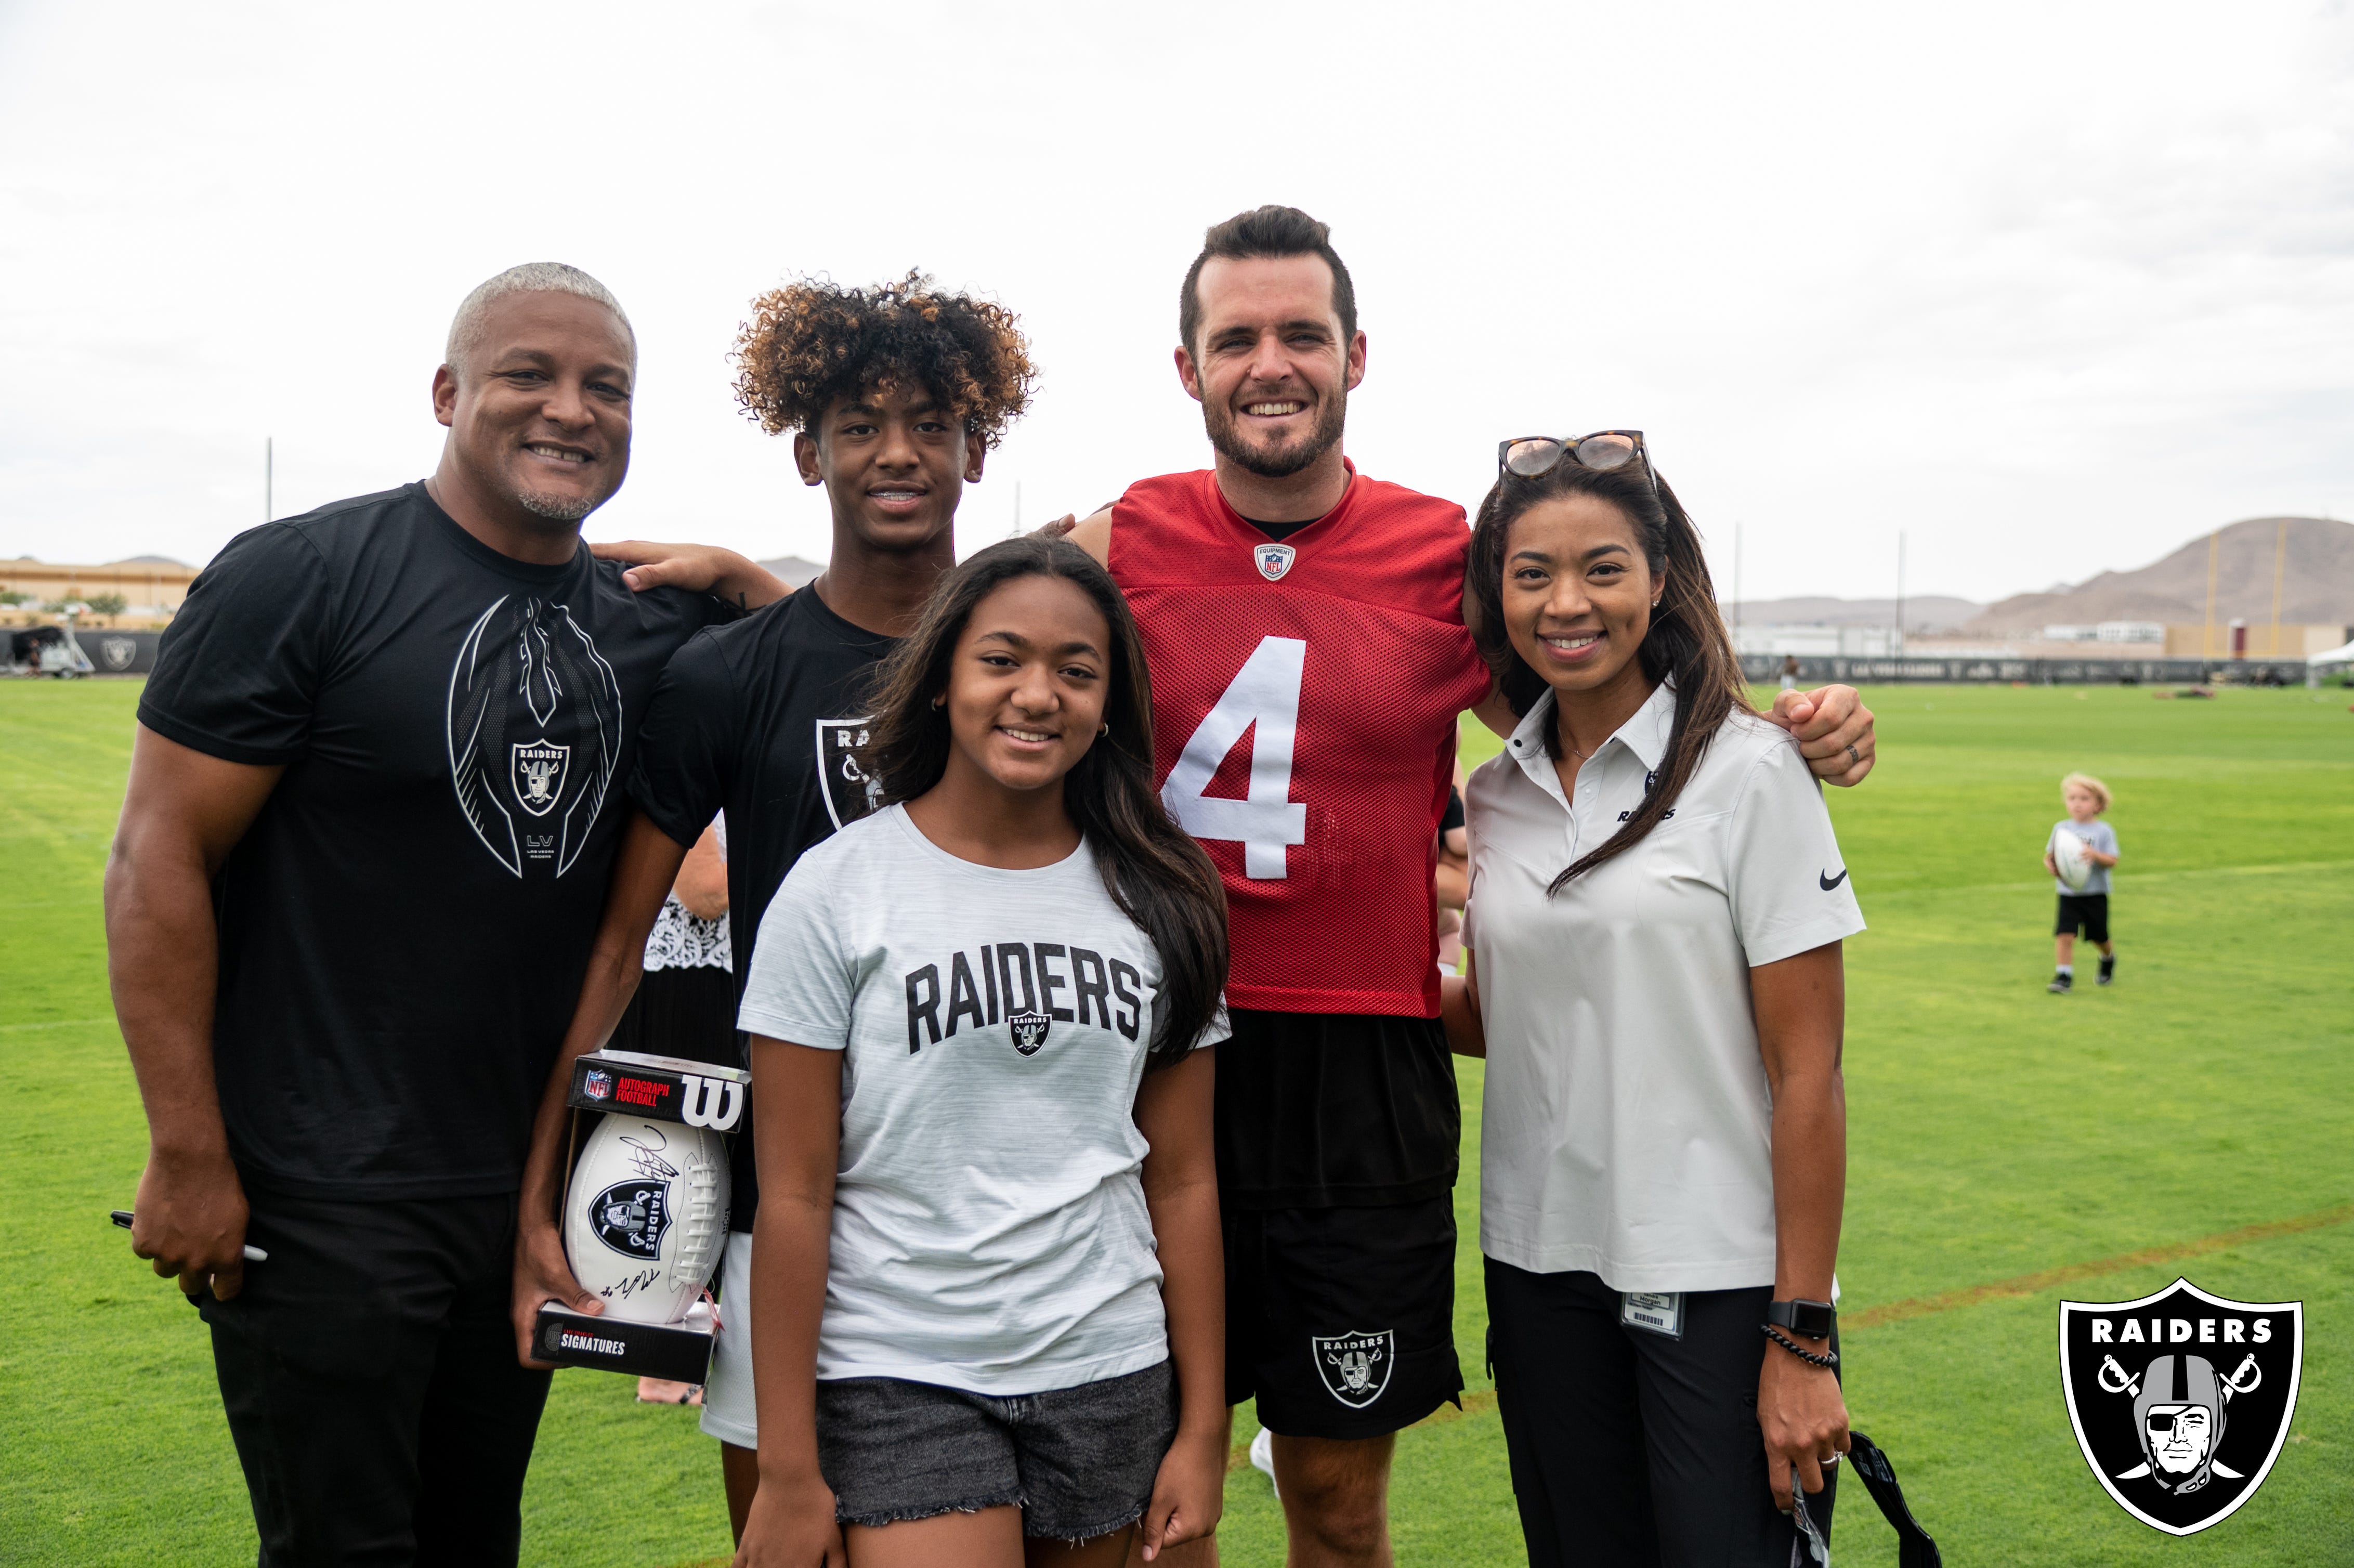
(1827, 1359)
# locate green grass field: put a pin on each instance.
(2197, 1119)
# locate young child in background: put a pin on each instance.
(2084, 908)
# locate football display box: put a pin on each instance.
(661, 1089)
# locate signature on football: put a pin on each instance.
(644, 1279)
(646, 1162)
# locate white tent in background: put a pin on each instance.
(2337, 658)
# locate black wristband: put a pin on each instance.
(1809, 1320)
(1828, 1359)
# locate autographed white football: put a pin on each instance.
(2068, 854)
(646, 1214)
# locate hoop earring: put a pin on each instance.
(942, 701)
(1105, 730)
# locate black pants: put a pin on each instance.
(1628, 1446)
(370, 1377)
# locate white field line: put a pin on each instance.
(2138, 878)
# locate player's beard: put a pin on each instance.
(1274, 461)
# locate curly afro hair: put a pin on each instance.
(813, 342)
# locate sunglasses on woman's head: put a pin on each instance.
(1531, 457)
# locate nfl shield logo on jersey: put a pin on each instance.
(1029, 1031)
(1274, 560)
(1356, 1366)
(2181, 1399)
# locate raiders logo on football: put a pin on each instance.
(2152, 1387)
(1274, 560)
(630, 1216)
(1356, 1366)
(1029, 1031)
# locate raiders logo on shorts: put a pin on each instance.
(2181, 1399)
(1029, 1031)
(1356, 1366)
(631, 1217)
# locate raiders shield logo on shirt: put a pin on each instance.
(1356, 1366)
(1029, 1031)
(849, 793)
(539, 775)
(1274, 560)
(630, 1216)
(2181, 1399)
(530, 686)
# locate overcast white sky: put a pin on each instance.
(2050, 287)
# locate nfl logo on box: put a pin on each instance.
(597, 1085)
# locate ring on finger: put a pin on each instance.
(1853, 761)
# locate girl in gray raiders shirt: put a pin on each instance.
(986, 1299)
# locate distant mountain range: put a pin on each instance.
(2315, 556)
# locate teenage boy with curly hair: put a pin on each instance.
(894, 394)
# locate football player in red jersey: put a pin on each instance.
(1286, 599)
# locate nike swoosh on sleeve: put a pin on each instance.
(1830, 882)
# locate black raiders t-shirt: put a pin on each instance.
(404, 928)
(759, 718)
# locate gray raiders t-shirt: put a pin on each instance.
(2096, 834)
(990, 1232)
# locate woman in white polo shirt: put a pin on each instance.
(1657, 909)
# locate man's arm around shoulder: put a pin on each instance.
(182, 815)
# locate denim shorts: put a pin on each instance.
(1078, 1462)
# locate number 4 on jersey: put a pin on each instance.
(1265, 693)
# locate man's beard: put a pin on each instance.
(1279, 463)
(557, 508)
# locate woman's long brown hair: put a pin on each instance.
(1154, 871)
(1688, 643)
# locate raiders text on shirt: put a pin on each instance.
(1026, 975)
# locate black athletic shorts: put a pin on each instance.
(2086, 912)
(1341, 1322)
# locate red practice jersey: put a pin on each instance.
(1305, 695)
